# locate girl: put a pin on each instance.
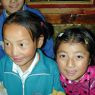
(74, 50)
(25, 65)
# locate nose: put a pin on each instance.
(70, 62)
(14, 51)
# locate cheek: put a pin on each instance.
(61, 65)
(83, 64)
(5, 3)
(83, 67)
(21, 2)
(29, 52)
(8, 51)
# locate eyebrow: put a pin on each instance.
(61, 51)
(16, 41)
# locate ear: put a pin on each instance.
(40, 41)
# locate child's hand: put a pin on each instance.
(3, 91)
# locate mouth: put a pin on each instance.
(71, 72)
(15, 6)
(17, 59)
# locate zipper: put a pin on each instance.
(23, 88)
(20, 80)
(23, 82)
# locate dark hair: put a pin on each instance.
(32, 22)
(50, 29)
(80, 35)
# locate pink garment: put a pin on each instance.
(85, 86)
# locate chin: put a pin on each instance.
(71, 78)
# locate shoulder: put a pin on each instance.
(4, 60)
(91, 71)
(5, 64)
(3, 15)
(47, 61)
(2, 18)
(45, 58)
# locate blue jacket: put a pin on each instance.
(47, 49)
(42, 81)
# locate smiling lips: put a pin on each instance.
(71, 72)
(13, 7)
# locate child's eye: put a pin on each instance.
(79, 57)
(21, 44)
(6, 44)
(63, 56)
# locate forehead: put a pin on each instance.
(17, 30)
(72, 47)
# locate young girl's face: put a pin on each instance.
(19, 45)
(73, 60)
(12, 6)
